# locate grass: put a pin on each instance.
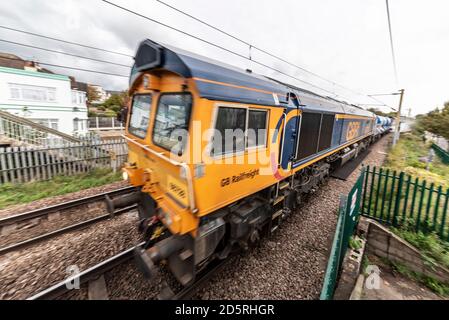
(355, 243)
(431, 283)
(430, 245)
(12, 194)
(405, 156)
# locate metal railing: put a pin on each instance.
(443, 154)
(398, 199)
(105, 123)
(392, 198)
(25, 131)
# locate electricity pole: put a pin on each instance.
(398, 119)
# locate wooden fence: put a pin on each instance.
(25, 164)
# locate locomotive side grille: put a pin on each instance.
(327, 128)
(308, 141)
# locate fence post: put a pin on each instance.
(421, 200)
(387, 175)
(443, 219)
(398, 199)
(429, 202)
(371, 188)
(407, 193)
(437, 207)
(390, 200)
(379, 182)
(366, 176)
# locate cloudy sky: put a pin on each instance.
(345, 41)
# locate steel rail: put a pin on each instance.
(73, 227)
(92, 273)
(61, 206)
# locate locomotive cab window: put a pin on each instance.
(257, 128)
(238, 129)
(172, 121)
(140, 114)
(229, 136)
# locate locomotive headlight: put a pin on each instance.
(125, 175)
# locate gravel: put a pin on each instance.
(31, 270)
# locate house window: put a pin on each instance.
(32, 93)
(78, 97)
(49, 123)
(15, 93)
(79, 124)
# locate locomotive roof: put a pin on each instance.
(218, 81)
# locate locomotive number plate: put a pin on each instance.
(177, 190)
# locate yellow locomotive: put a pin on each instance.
(221, 156)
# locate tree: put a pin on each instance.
(436, 121)
(92, 94)
(115, 103)
(381, 113)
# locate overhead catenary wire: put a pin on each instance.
(252, 46)
(72, 68)
(64, 53)
(65, 41)
(217, 46)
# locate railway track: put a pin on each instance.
(58, 290)
(84, 277)
(60, 208)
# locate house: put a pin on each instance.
(102, 94)
(35, 93)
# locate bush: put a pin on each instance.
(110, 113)
(430, 244)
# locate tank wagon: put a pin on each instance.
(383, 126)
(201, 195)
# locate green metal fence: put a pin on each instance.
(443, 154)
(347, 219)
(397, 199)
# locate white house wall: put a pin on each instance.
(61, 108)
